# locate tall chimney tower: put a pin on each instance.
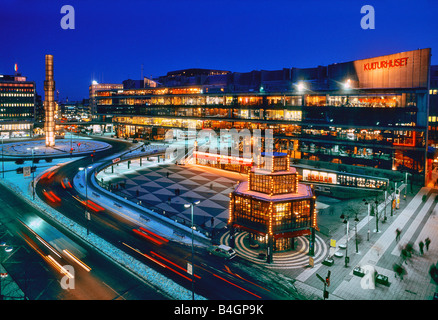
(49, 103)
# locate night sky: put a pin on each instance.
(112, 39)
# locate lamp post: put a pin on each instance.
(86, 213)
(33, 171)
(191, 205)
(377, 216)
(368, 217)
(3, 162)
(347, 259)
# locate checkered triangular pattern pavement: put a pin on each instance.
(169, 187)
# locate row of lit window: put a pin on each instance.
(17, 105)
(16, 95)
(3, 115)
(20, 126)
(433, 91)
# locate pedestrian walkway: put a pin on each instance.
(417, 222)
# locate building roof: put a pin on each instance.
(304, 192)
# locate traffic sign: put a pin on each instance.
(333, 243)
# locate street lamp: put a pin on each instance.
(347, 259)
(86, 213)
(31, 169)
(191, 205)
(368, 217)
(377, 215)
(3, 162)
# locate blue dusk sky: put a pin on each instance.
(113, 39)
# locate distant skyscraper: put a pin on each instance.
(49, 103)
(94, 87)
(17, 106)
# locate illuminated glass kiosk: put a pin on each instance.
(272, 206)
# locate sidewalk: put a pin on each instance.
(417, 221)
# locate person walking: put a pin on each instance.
(427, 243)
(421, 245)
(404, 256)
(399, 271)
(397, 234)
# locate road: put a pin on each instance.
(214, 278)
(37, 245)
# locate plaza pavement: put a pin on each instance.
(416, 218)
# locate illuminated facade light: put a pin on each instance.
(301, 86)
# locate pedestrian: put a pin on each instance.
(421, 245)
(404, 256)
(427, 243)
(397, 234)
(410, 249)
(137, 193)
(398, 270)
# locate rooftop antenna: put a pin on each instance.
(141, 78)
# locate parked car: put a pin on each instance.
(222, 251)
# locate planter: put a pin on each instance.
(328, 262)
(358, 271)
(380, 278)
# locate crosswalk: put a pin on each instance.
(281, 260)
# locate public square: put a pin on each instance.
(154, 184)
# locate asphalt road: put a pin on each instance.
(37, 275)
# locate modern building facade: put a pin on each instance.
(17, 106)
(433, 107)
(368, 113)
(95, 87)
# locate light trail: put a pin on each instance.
(75, 259)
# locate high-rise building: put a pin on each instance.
(94, 88)
(17, 106)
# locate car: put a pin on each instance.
(222, 251)
(66, 183)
